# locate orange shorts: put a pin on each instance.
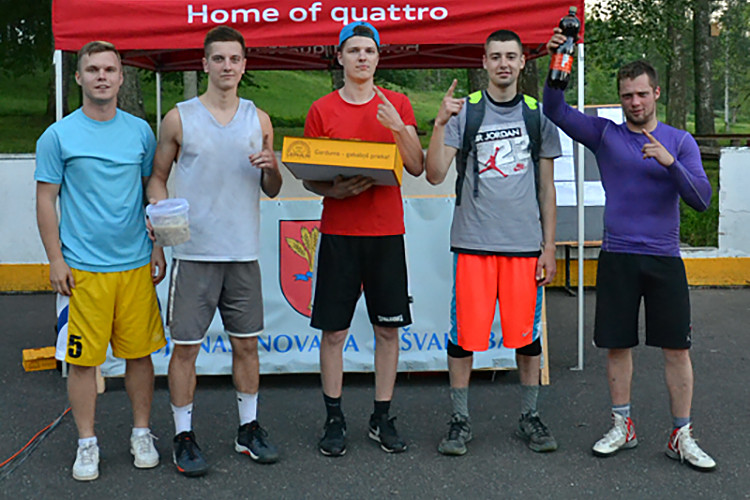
(481, 281)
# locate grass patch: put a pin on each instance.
(286, 96)
(701, 229)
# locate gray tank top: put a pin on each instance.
(223, 188)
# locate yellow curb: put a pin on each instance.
(24, 278)
(717, 271)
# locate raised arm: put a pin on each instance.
(580, 127)
(404, 135)
(270, 180)
(440, 156)
(686, 169)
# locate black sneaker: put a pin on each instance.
(459, 433)
(333, 442)
(187, 456)
(384, 432)
(252, 440)
(532, 429)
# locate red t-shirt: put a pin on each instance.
(377, 211)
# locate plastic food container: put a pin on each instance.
(169, 219)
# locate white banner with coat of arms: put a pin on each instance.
(289, 232)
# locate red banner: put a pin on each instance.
(147, 29)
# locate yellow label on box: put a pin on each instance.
(316, 159)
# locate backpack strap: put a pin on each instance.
(474, 117)
(533, 121)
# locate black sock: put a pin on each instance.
(381, 408)
(333, 406)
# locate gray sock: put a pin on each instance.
(622, 410)
(678, 422)
(460, 400)
(529, 397)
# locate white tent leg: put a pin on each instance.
(581, 220)
(158, 102)
(57, 63)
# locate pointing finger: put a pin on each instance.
(452, 88)
(650, 137)
(382, 96)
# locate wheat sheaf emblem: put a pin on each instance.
(305, 248)
(298, 149)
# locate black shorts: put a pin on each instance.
(348, 265)
(621, 280)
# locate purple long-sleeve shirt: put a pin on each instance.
(642, 212)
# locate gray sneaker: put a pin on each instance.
(532, 429)
(459, 433)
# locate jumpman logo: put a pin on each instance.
(491, 165)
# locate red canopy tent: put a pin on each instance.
(167, 35)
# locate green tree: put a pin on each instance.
(702, 57)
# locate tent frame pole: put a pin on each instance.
(158, 103)
(57, 63)
(581, 219)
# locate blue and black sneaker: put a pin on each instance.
(187, 455)
(383, 430)
(252, 440)
(333, 442)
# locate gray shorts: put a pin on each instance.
(197, 288)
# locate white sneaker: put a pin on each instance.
(144, 452)
(86, 466)
(681, 446)
(620, 437)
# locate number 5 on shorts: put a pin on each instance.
(74, 346)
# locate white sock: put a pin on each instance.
(247, 404)
(83, 442)
(183, 418)
(140, 431)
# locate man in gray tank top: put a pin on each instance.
(223, 148)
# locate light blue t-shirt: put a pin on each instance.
(99, 166)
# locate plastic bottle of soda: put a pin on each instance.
(561, 61)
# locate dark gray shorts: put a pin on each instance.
(197, 288)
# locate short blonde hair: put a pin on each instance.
(96, 47)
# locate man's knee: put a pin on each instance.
(81, 371)
(533, 349)
(244, 346)
(386, 334)
(456, 351)
(185, 353)
(677, 356)
(337, 337)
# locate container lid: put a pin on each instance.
(170, 206)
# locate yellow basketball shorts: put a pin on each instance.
(118, 308)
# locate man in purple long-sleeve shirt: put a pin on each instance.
(646, 167)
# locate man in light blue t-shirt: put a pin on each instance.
(102, 264)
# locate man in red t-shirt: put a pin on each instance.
(362, 242)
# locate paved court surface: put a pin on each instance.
(498, 465)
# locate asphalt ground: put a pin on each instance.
(498, 465)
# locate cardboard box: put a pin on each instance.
(39, 359)
(316, 159)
